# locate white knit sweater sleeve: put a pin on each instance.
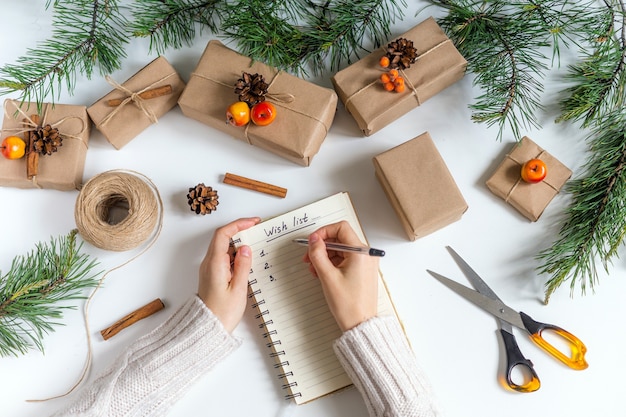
(378, 359)
(157, 369)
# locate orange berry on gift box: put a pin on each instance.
(534, 171)
(388, 86)
(384, 61)
(13, 147)
(393, 74)
(385, 78)
(263, 113)
(238, 114)
(399, 88)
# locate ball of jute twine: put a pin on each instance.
(117, 210)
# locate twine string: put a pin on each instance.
(133, 97)
(519, 179)
(412, 87)
(32, 126)
(132, 194)
(281, 99)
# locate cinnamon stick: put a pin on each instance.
(254, 185)
(32, 157)
(132, 318)
(146, 95)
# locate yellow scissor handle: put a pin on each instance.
(515, 359)
(576, 359)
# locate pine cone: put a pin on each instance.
(46, 139)
(401, 53)
(251, 88)
(202, 199)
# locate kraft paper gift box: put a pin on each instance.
(530, 199)
(61, 170)
(305, 111)
(438, 66)
(419, 186)
(121, 123)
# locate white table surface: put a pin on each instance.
(455, 342)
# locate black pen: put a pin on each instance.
(346, 248)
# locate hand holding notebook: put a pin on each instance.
(294, 316)
(220, 287)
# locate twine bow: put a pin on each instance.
(279, 97)
(133, 97)
(32, 125)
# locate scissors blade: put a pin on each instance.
(493, 306)
(478, 283)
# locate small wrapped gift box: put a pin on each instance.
(61, 170)
(530, 199)
(439, 65)
(136, 104)
(419, 186)
(305, 111)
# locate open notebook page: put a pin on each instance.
(289, 301)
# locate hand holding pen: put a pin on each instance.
(345, 248)
(350, 283)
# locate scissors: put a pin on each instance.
(485, 298)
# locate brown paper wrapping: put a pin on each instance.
(419, 186)
(439, 65)
(529, 199)
(305, 111)
(121, 124)
(63, 170)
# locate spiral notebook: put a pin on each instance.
(288, 301)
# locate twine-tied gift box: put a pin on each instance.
(530, 199)
(123, 122)
(62, 170)
(419, 186)
(305, 111)
(439, 65)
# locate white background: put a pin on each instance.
(455, 343)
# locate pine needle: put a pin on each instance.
(86, 34)
(36, 290)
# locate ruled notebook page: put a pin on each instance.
(289, 301)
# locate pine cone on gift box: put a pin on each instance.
(46, 139)
(401, 53)
(202, 199)
(251, 88)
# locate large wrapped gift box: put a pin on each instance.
(419, 186)
(530, 199)
(61, 170)
(144, 99)
(438, 66)
(305, 111)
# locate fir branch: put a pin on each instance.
(503, 50)
(596, 224)
(600, 78)
(85, 34)
(332, 31)
(31, 291)
(338, 31)
(173, 23)
(263, 32)
(502, 42)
